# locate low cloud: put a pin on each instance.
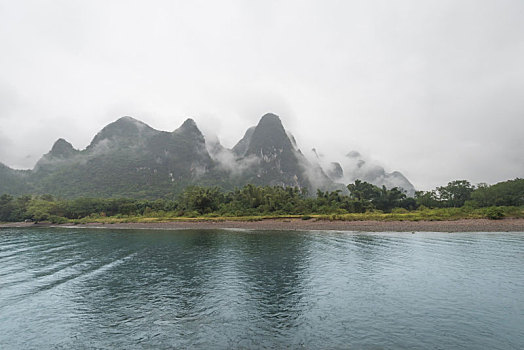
(227, 160)
(352, 166)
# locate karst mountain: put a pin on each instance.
(128, 158)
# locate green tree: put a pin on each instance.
(204, 200)
(509, 193)
(456, 193)
(362, 190)
(41, 210)
(388, 199)
(428, 199)
(7, 207)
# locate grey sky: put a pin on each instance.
(434, 89)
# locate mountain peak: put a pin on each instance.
(269, 136)
(129, 122)
(190, 128)
(189, 124)
(124, 128)
(270, 119)
(62, 149)
(127, 118)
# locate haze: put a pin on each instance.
(433, 89)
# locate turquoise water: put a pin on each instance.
(80, 288)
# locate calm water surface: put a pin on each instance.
(79, 288)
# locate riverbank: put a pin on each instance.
(463, 225)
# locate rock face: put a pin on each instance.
(269, 139)
(335, 171)
(241, 147)
(278, 161)
(128, 158)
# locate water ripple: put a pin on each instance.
(254, 289)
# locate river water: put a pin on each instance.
(224, 289)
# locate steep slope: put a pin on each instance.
(61, 152)
(241, 147)
(279, 161)
(14, 182)
(334, 171)
(181, 155)
(127, 158)
(397, 179)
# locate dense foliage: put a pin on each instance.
(253, 200)
(504, 193)
(461, 192)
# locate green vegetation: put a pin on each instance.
(14, 181)
(129, 159)
(457, 200)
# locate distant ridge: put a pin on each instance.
(14, 182)
(128, 158)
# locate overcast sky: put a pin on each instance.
(434, 89)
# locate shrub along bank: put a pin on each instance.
(457, 200)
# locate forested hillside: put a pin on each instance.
(128, 158)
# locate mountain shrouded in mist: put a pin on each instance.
(129, 158)
(14, 182)
(279, 162)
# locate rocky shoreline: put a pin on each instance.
(466, 225)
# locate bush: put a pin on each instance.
(192, 214)
(494, 213)
(57, 219)
(400, 211)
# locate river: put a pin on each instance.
(224, 289)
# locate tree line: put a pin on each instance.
(252, 200)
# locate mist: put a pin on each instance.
(432, 89)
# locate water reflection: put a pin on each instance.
(225, 289)
(274, 272)
(168, 273)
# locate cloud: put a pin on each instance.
(5, 144)
(226, 159)
(433, 88)
(345, 169)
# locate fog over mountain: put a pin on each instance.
(131, 159)
(432, 88)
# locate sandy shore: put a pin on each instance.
(471, 225)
